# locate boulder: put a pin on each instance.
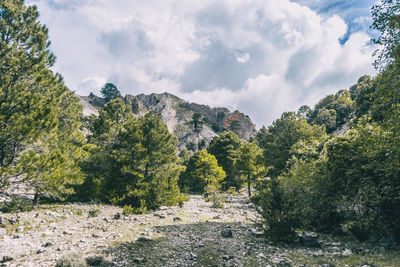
(227, 233)
(309, 239)
(3, 232)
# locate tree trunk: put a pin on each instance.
(36, 200)
(248, 184)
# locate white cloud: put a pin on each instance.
(262, 56)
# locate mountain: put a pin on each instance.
(177, 114)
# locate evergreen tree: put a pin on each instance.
(249, 162)
(161, 163)
(224, 148)
(278, 139)
(39, 140)
(26, 104)
(110, 91)
(134, 161)
(197, 121)
(202, 171)
(386, 20)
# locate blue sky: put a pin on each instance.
(262, 57)
(356, 13)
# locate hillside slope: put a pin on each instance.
(177, 114)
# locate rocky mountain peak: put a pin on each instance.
(178, 115)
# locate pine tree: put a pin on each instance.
(202, 171)
(249, 162)
(224, 148)
(40, 118)
(110, 91)
(161, 163)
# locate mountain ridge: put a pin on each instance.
(177, 114)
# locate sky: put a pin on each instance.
(262, 57)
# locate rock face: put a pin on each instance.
(177, 114)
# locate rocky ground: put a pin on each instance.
(194, 235)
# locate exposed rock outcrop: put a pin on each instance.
(177, 114)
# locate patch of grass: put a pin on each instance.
(208, 256)
(16, 205)
(72, 260)
(93, 213)
(78, 212)
(386, 258)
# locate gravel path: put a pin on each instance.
(193, 235)
(41, 237)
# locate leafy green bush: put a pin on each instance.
(16, 205)
(214, 196)
(359, 230)
(93, 213)
(182, 199)
(202, 170)
(232, 191)
(127, 210)
(279, 219)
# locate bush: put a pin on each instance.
(280, 221)
(72, 260)
(212, 194)
(16, 205)
(93, 213)
(359, 230)
(232, 191)
(127, 210)
(182, 199)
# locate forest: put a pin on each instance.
(332, 168)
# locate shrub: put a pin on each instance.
(93, 213)
(232, 191)
(182, 199)
(16, 205)
(279, 219)
(127, 210)
(212, 194)
(72, 260)
(359, 230)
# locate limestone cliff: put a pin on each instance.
(177, 114)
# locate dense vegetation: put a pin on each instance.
(344, 182)
(331, 168)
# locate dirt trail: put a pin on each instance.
(194, 235)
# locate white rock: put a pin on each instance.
(347, 252)
(3, 232)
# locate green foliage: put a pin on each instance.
(224, 148)
(110, 91)
(202, 171)
(127, 210)
(363, 94)
(197, 121)
(386, 20)
(234, 126)
(93, 213)
(212, 194)
(362, 173)
(277, 209)
(278, 140)
(16, 205)
(133, 161)
(249, 163)
(333, 111)
(386, 94)
(232, 191)
(39, 117)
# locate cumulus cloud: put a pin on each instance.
(262, 56)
